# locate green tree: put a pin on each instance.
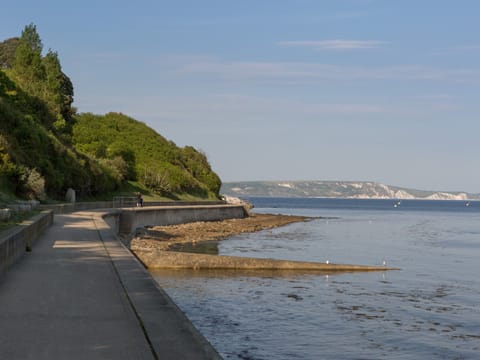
(42, 78)
(28, 68)
(59, 88)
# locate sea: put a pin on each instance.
(428, 309)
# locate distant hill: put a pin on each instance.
(336, 189)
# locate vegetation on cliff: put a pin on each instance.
(46, 147)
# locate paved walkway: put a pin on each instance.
(81, 295)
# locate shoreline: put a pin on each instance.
(163, 238)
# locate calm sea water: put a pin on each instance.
(430, 309)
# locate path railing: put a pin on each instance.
(124, 201)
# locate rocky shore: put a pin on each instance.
(163, 237)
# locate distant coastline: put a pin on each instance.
(338, 189)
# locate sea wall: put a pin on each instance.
(131, 219)
(16, 241)
(82, 206)
(162, 320)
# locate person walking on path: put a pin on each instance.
(139, 200)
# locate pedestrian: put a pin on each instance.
(139, 200)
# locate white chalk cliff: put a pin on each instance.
(337, 189)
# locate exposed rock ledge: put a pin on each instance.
(153, 246)
(162, 237)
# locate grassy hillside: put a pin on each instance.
(134, 151)
(46, 147)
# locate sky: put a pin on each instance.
(360, 90)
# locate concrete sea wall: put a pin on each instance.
(131, 219)
(151, 303)
(15, 242)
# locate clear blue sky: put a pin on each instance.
(383, 91)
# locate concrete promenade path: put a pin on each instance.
(81, 295)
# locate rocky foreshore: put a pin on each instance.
(163, 237)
